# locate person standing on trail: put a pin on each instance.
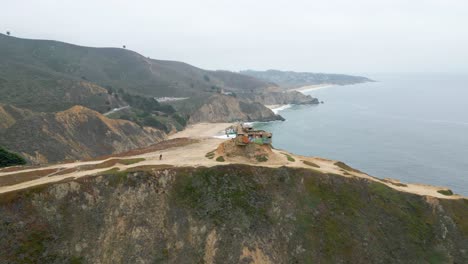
(160, 156)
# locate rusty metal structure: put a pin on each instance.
(245, 134)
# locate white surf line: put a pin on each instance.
(281, 108)
(277, 108)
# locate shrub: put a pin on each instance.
(447, 192)
(309, 163)
(220, 159)
(261, 158)
(153, 122)
(344, 166)
(289, 157)
(210, 154)
(10, 159)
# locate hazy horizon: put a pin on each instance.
(335, 36)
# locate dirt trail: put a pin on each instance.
(195, 155)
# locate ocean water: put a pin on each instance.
(408, 127)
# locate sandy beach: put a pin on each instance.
(309, 88)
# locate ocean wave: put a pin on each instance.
(281, 108)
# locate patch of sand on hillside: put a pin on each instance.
(202, 130)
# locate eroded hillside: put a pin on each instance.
(77, 133)
(229, 214)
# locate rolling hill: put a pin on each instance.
(46, 75)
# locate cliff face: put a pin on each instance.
(229, 214)
(280, 98)
(221, 108)
(76, 133)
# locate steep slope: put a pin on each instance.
(290, 79)
(229, 214)
(221, 108)
(48, 75)
(76, 133)
(9, 115)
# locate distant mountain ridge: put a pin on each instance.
(291, 79)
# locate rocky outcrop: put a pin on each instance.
(280, 98)
(229, 214)
(77, 133)
(221, 108)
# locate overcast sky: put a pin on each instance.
(342, 36)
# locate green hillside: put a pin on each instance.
(46, 75)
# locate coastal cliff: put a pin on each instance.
(229, 214)
(221, 108)
(280, 98)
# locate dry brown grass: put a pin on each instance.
(17, 178)
(149, 168)
(18, 168)
(110, 163)
(65, 171)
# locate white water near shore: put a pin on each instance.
(305, 90)
(277, 108)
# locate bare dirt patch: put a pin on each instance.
(16, 178)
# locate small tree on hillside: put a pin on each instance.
(124, 46)
(8, 33)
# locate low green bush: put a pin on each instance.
(10, 159)
(447, 192)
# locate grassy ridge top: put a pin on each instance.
(51, 75)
